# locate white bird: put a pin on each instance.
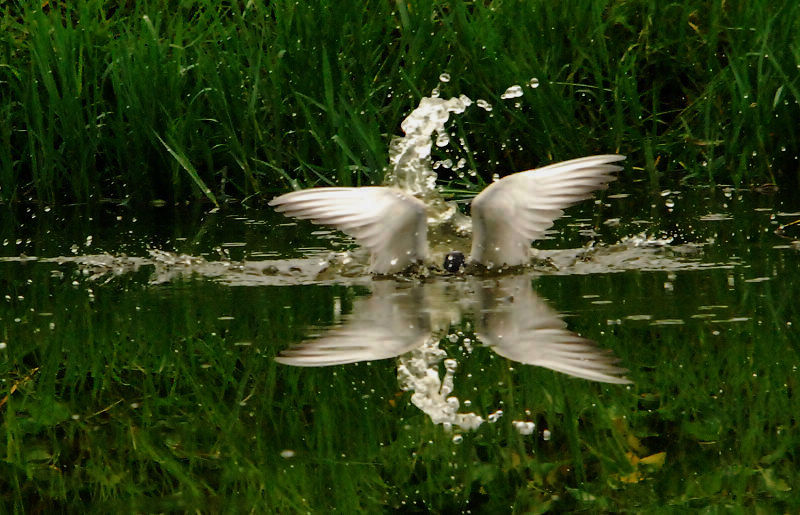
(506, 217)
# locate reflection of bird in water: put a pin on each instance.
(394, 320)
(510, 318)
(506, 216)
(518, 325)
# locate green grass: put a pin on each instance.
(212, 100)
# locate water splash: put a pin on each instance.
(418, 372)
(411, 168)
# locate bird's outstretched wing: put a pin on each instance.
(391, 224)
(512, 212)
(388, 323)
(519, 326)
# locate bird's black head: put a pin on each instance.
(454, 261)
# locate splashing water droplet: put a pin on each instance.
(445, 77)
(524, 427)
(483, 104)
(442, 139)
(534, 83)
(512, 92)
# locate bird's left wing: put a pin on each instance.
(390, 223)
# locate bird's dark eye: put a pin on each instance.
(453, 261)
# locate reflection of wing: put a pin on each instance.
(388, 323)
(521, 327)
(387, 221)
(512, 212)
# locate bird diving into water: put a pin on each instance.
(507, 216)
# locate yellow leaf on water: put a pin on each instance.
(656, 460)
(633, 477)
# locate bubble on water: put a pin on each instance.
(512, 92)
(444, 77)
(534, 83)
(483, 104)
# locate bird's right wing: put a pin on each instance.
(512, 212)
(390, 223)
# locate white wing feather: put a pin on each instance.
(391, 224)
(512, 212)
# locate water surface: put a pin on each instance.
(138, 370)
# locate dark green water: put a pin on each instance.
(137, 368)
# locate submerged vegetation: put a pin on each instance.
(160, 100)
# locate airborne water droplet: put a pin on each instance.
(483, 104)
(534, 83)
(512, 92)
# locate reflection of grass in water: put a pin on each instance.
(173, 414)
(246, 96)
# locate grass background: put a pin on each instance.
(175, 101)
